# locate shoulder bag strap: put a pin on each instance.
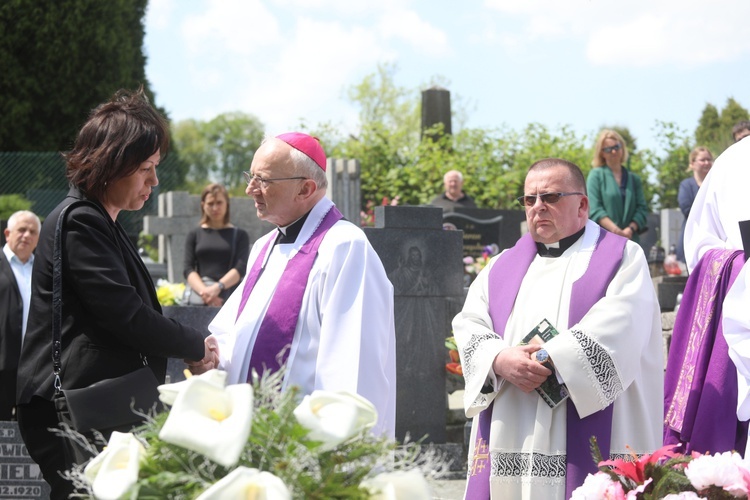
(57, 257)
(234, 244)
(57, 294)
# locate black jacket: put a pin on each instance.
(110, 310)
(11, 324)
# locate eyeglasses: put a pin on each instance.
(611, 149)
(547, 198)
(265, 182)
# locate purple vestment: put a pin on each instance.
(700, 383)
(505, 281)
(280, 321)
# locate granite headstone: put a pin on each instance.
(196, 316)
(482, 227)
(423, 262)
(20, 477)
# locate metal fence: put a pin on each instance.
(40, 178)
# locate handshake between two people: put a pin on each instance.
(210, 358)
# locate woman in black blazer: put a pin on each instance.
(110, 313)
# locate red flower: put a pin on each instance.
(635, 470)
(454, 368)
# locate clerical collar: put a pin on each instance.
(288, 234)
(557, 249)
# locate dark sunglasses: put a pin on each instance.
(547, 198)
(610, 149)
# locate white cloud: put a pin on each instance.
(408, 26)
(159, 14)
(308, 75)
(240, 27)
(639, 33)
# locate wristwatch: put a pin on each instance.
(542, 355)
(221, 285)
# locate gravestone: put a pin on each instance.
(20, 477)
(671, 220)
(424, 264)
(198, 317)
(483, 227)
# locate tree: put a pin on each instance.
(218, 150)
(671, 169)
(61, 58)
(396, 163)
(714, 129)
(730, 115)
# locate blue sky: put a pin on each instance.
(581, 63)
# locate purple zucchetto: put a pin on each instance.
(307, 144)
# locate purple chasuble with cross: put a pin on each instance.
(505, 280)
(276, 332)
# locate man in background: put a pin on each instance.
(22, 236)
(454, 196)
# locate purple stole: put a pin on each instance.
(280, 321)
(504, 283)
(700, 384)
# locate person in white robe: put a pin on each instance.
(344, 339)
(719, 206)
(527, 439)
(713, 222)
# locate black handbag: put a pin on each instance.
(105, 406)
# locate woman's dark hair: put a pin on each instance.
(118, 136)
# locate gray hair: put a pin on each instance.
(307, 167)
(23, 213)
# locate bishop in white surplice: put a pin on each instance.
(344, 338)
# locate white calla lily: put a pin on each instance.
(168, 392)
(398, 485)
(334, 417)
(244, 482)
(212, 420)
(115, 470)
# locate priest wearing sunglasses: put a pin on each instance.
(560, 340)
(615, 193)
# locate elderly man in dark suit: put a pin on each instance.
(22, 236)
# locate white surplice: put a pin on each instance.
(736, 328)
(719, 206)
(345, 336)
(614, 354)
(721, 202)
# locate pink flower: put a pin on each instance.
(726, 470)
(598, 486)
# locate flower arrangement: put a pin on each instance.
(169, 294)
(669, 475)
(222, 441)
(454, 366)
(472, 266)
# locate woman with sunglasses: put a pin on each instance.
(615, 194)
